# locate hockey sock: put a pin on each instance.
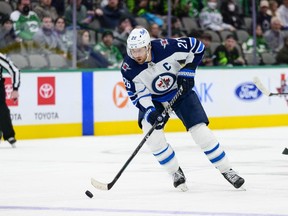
(204, 137)
(166, 157)
(162, 151)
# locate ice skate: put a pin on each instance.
(12, 141)
(179, 180)
(232, 177)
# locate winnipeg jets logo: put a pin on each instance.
(125, 67)
(163, 82)
(142, 32)
(164, 42)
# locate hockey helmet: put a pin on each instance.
(138, 38)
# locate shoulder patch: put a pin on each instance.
(164, 43)
(125, 67)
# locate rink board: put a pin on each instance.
(228, 95)
(75, 103)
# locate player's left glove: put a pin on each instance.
(186, 78)
(187, 83)
(154, 117)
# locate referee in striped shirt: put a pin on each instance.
(6, 127)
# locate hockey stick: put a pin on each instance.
(264, 90)
(103, 186)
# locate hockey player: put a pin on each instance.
(152, 72)
(6, 127)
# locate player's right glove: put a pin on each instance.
(153, 116)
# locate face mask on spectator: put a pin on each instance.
(26, 9)
(231, 7)
(212, 5)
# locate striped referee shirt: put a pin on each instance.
(14, 72)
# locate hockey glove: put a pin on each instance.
(186, 77)
(187, 83)
(153, 116)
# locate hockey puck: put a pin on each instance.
(89, 194)
(285, 151)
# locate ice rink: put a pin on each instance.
(49, 177)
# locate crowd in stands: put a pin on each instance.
(44, 29)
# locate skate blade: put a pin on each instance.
(183, 187)
(285, 151)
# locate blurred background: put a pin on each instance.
(53, 34)
(70, 54)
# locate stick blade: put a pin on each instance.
(99, 185)
(261, 87)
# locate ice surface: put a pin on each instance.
(50, 176)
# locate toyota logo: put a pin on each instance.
(46, 90)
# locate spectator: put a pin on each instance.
(155, 31)
(86, 56)
(83, 17)
(207, 59)
(46, 40)
(282, 55)
(177, 29)
(90, 4)
(273, 8)
(186, 8)
(8, 42)
(46, 9)
(282, 13)
(158, 7)
(231, 15)
(227, 54)
(261, 45)
(109, 51)
(121, 33)
(247, 7)
(210, 18)
(263, 17)
(109, 14)
(59, 5)
(274, 37)
(148, 10)
(176, 34)
(25, 22)
(64, 35)
(176, 25)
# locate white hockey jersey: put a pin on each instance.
(156, 80)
